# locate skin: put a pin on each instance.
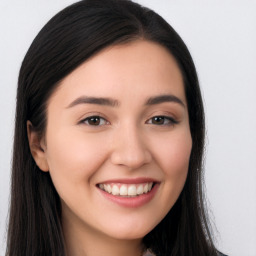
(127, 143)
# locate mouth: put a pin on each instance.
(126, 190)
(131, 193)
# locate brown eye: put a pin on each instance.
(95, 121)
(158, 120)
(162, 120)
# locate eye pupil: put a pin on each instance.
(158, 120)
(94, 120)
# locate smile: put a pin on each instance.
(126, 190)
(131, 193)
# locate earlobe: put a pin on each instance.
(37, 147)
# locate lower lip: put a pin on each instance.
(132, 202)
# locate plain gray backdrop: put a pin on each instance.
(221, 36)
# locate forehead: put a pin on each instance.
(140, 68)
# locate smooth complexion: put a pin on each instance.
(119, 119)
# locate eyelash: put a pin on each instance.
(167, 121)
(90, 118)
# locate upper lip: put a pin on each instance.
(130, 181)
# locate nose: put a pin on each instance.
(130, 149)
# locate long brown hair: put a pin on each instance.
(67, 40)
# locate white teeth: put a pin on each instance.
(132, 190)
(126, 189)
(109, 188)
(150, 186)
(123, 190)
(140, 190)
(145, 189)
(115, 190)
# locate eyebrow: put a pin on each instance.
(114, 103)
(94, 100)
(164, 98)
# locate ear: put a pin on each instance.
(37, 147)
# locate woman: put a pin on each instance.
(109, 138)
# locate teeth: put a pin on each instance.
(115, 190)
(123, 190)
(109, 188)
(145, 189)
(140, 190)
(126, 189)
(132, 190)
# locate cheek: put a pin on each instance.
(174, 154)
(74, 159)
(173, 158)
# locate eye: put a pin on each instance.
(95, 121)
(162, 120)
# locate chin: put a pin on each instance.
(129, 232)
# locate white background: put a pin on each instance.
(221, 36)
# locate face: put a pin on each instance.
(118, 141)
